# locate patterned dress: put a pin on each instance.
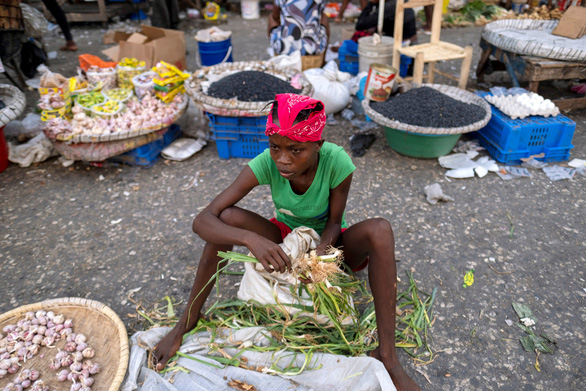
(300, 28)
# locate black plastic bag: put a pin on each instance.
(31, 56)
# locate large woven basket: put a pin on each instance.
(104, 330)
(453, 92)
(232, 107)
(312, 61)
(15, 102)
(534, 38)
(101, 138)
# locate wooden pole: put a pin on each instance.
(381, 16)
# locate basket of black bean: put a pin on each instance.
(428, 121)
(62, 344)
(243, 89)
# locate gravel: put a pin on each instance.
(250, 86)
(429, 108)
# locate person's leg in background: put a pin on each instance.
(428, 9)
(57, 12)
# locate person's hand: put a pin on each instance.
(270, 255)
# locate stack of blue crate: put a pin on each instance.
(348, 57)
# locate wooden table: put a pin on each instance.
(532, 69)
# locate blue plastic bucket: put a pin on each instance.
(213, 53)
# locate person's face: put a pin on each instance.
(293, 158)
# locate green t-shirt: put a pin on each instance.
(312, 208)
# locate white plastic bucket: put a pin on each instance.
(250, 9)
(369, 53)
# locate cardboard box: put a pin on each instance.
(572, 24)
(151, 45)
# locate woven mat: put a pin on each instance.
(232, 107)
(104, 330)
(15, 102)
(453, 92)
(534, 38)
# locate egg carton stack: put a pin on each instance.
(523, 105)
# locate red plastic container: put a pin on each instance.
(3, 151)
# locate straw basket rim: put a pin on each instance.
(15, 103)
(231, 107)
(87, 304)
(453, 92)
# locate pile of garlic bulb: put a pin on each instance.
(22, 341)
(523, 105)
(150, 113)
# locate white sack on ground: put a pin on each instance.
(337, 373)
(328, 84)
(36, 150)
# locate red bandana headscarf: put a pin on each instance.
(289, 105)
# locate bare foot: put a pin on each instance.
(170, 344)
(70, 46)
(400, 378)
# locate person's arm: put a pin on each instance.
(342, 9)
(211, 228)
(333, 228)
(274, 19)
(367, 18)
(326, 22)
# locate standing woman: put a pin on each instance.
(299, 25)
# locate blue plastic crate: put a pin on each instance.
(149, 154)
(509, 140)
(220, 120)
(239, 136)
(350, 67)
(404, 65)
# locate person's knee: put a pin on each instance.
(231, 216)
(381, 231)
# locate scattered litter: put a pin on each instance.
(364, 126)
(509, 322)
(434, 193)
(577, 163)
(531, 161)
(462, 165)
(508, 173)
(52, 55)
(556, 173)
(360, 142)
(348, 114)
(183, 148)
(114, 222)
(101, 178)
(331, 120)
(65, 162)
(469, 145)
(468, 278)
(541, 343)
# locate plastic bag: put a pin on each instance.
(31, 56)
(35, 24)
(51, 79)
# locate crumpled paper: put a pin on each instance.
(434, 194)
(461, 165)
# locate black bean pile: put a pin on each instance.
(428, 107)
(250, 86)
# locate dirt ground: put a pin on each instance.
(101, 233)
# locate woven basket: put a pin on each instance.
(312, 61)
(15, 102)
(232, 107)
(101, 138)
(104, 330)
(534, 38)
(453, 92)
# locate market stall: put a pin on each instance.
(110, 111)
(530, 50)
